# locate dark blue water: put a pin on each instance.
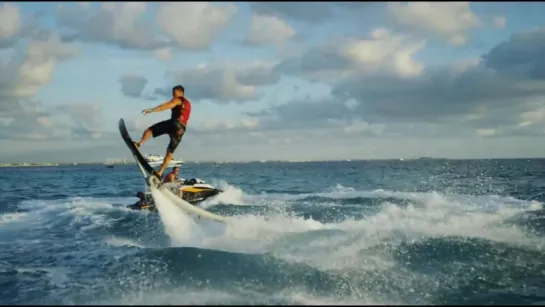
(380, 232)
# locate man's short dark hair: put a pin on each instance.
(178, 87)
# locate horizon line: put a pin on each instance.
(273, 160)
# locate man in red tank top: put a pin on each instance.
(175, 126)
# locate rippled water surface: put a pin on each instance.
(375, 232)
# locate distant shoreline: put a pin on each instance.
(47, 164)
(26, 164)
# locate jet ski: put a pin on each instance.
(192, 190)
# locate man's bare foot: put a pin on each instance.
(137, 145)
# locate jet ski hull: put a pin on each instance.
(193, 194)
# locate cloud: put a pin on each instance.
(164, 54)
(380, 52)
(268, 30)
(25, 121)
(194, 25)
(32, 120)
(447, 20)
(520, 56)
(303, 114)
(350, 87)
(435, 96)
(318, 12)
(22, 77)
(224, 126)
(191, 26)
(118, 24)
(325, 118)
(10, 24)
(82, 120)
(83, 113)
(501, 94)
(133, 85)
(223, 82)
(499, 22)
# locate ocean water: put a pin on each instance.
(360, 232)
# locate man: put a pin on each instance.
(175, 126)
(172, 176)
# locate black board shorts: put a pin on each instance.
(175, 130)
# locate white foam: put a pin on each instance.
(58, 276)
(118, 241)
(178, 226)
(231, 195)
(178, 296)
(430, 215)
(8, 218)
(339, 246)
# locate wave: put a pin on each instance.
(340, 245)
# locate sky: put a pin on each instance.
(274, 81)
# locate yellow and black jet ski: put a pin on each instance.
(192, 190)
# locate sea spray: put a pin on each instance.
(178, 225)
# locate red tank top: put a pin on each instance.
(182, 111)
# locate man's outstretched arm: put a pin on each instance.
(165, 106)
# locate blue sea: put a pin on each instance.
(359, 232)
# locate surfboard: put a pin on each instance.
(134, 150)
(153, 181)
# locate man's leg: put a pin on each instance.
(166, 161)
(175, 140)
(145, 136)
(156, 130)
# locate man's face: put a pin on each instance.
(175, 171)
(178, 93)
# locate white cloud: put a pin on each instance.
(499, 22)
(486, 132)
(10, 21)
(536, 115)
(224, 82)
(382, 52)
(195, 25)
(269, 30)
(383, 47)
(448, 20)
(22, 78)
(494, 96)
(164, 54)
(118, 24)
(87, 114)
(461, 66)
(209, 82)
(224, 126)
(317, 12)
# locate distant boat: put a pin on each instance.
(156, 160)
(110, 163)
